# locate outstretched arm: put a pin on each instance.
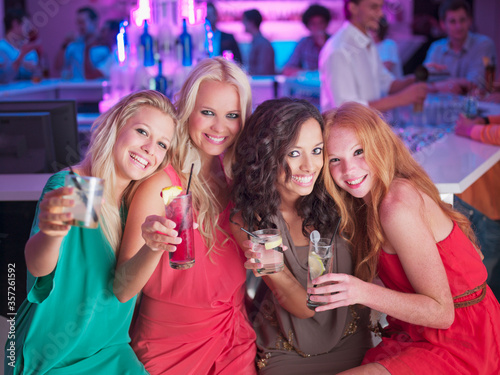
(409, 235)
(290, 294)
(148, 234)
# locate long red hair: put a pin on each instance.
(388, 158)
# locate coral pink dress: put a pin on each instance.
(194, 321)
(471, 345)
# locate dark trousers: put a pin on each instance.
(488, 235)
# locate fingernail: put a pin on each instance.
(175, 233)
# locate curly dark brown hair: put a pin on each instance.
(260, 156)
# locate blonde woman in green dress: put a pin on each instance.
(71, 322)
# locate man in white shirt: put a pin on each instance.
(350, 66)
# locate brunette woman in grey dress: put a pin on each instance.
(279, 159)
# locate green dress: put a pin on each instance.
(71, 322)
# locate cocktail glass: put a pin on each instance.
(180, 211)
(87, 194)
(320, 262)
(270, 244)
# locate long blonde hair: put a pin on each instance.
(219, 70)
(388, 158)
(99, 161)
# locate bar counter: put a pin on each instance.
(51, 89)
(453, 163)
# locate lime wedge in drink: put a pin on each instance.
(273, 244)
(169, 193)
(316, 267)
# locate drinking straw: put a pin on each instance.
(335, 232)
(190, 175)
(249, 233)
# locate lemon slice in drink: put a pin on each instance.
(169, 193)
(273, 244)
(316, 267)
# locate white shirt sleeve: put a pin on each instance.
(338, 76)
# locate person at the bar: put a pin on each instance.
(479, 202)
(87, 56)
(261, 57)
(462, 53)
(484, 129)
(387, 49)
(71, 322)
(277, 184)
(192, 321)
(443, 317)
(222, 41)
(350, 66)
(19, 51)
(305, 55)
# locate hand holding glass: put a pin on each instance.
(270, 244)
(320, 262)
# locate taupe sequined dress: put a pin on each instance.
(329, 342)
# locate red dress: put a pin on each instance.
(471, 345)
(194, 321)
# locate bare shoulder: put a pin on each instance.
(402, 200)
(148, 195)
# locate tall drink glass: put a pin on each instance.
(180, 211)
(87, 194)
(320, 262)
(270, 244)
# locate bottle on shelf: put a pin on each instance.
(187, 45)
(160, 81)
(147, 46)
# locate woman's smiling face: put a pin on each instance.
(216, 118)
(305, 160)
(347, 163)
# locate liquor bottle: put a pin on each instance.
(187, 45)
(160, 80)
(209, 35)
(147, 45)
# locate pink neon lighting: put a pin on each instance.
(120, 45)
(193, 13)
(142, 12)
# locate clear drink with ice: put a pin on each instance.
(87, 195)
(320, 262)
(270, 244)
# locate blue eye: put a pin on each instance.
(358, 152)
(142, 131)
(233, 115)
(334, 160)
(206, 112)
(318, 151)
(162, 145)
(294, 154)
